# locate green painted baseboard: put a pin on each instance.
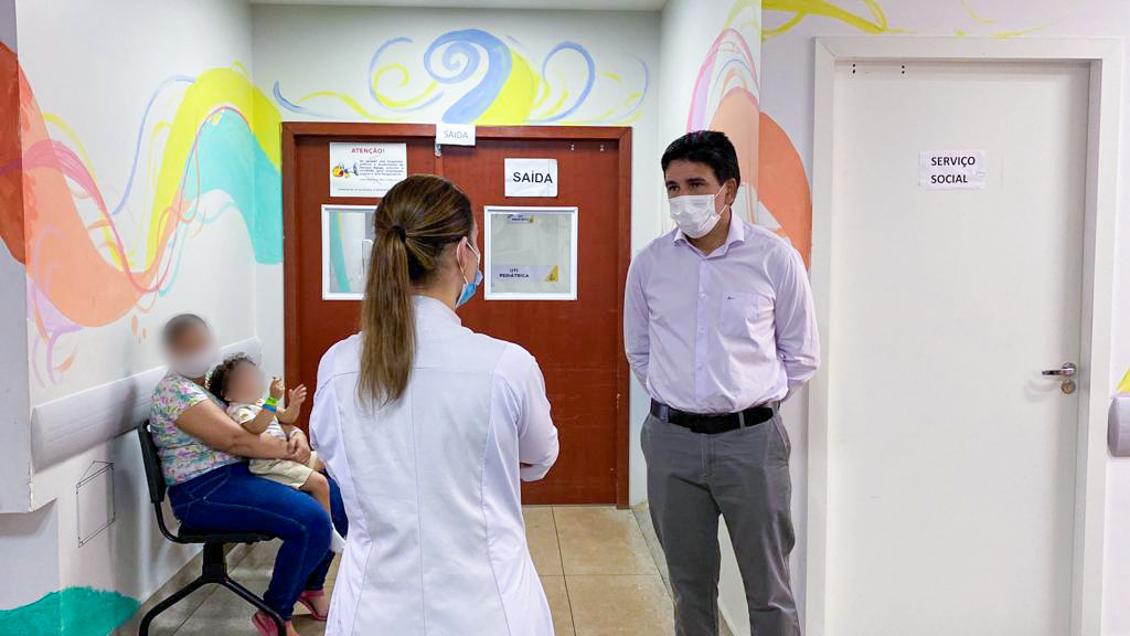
(74, 611)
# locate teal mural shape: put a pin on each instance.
(73, 611)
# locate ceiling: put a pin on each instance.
(577, 5)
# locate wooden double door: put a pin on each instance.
(578, 343)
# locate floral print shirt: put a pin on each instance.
(182, 455)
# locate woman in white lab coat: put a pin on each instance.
(428, 428)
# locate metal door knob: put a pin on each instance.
(1067, 370)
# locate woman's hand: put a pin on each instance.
(207, 423)
(298, 447)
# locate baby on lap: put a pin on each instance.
(239, 384)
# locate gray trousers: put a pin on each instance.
(744, 476)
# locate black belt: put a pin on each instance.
(713, 424)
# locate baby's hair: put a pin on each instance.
(218, 380)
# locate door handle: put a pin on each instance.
(1068, 370)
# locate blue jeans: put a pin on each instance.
(231, 499)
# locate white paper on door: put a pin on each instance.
(531, 253)
(365, 169)
(530, 177)
(952, 170)
(347, 239)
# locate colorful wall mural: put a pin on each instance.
(726, 98)
(477, 77)
(85, 266)
(88, 267)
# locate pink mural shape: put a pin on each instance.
(725, 98)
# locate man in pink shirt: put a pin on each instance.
(719, 326)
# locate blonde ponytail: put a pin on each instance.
(414, 222)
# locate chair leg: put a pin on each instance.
(250, 597)
(174, 598)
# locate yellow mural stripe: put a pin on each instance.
(349, 102)
(545, 89)
(155, 137)
(742, 5)
(515, 100)
(973, 14)
(824, 8)
(213, 88)
(399, 103)
(605, 118)
(63, 126)
(558, 105)
(792, 22)
(1124, 385)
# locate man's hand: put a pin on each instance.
(278, 389)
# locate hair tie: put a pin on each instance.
(400, 232)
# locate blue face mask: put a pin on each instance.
(470, 287)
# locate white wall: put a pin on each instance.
(8, 24)
(15, 465)
(787, 97)
(305, 50)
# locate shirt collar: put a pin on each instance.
(434, 310)
(736, 234)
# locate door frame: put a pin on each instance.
(1104, 58)
(622, 135)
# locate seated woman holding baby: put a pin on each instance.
(204, 439)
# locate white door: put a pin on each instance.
(951, 459)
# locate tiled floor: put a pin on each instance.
(595, 565)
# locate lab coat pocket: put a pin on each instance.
(740, 312)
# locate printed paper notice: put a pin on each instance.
(531, 177)
(363, 169)
(952, 170)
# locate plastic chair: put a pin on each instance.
(215, 569)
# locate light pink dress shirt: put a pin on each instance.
(722, 332)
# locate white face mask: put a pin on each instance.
(694, 213)
(196, 365)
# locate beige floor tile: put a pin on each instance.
(308, 626)
(261, 554)
(223, 613)
(541, 535)
(558, 604)
(643, 518)
(171, 620)
(633, 605)
(601, 540)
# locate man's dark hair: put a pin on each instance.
(709, 147)
(178, 325)
(218, 380)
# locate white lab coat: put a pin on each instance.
(437, 545)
